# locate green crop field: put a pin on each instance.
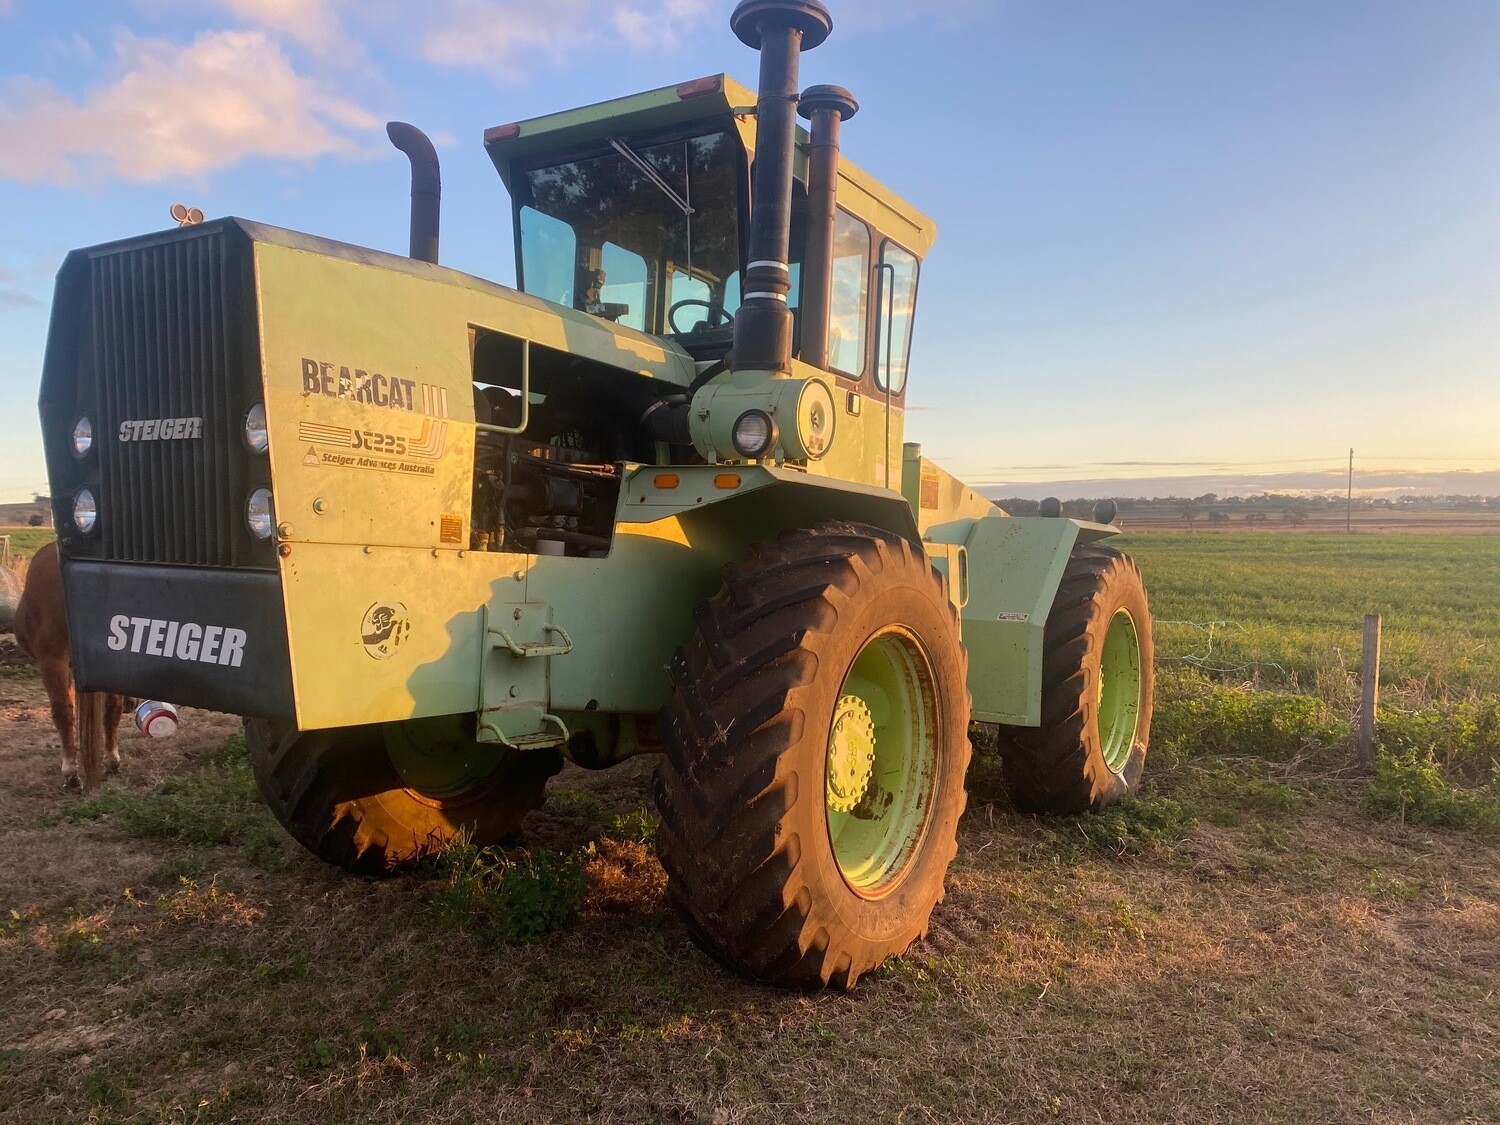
(1288, 610)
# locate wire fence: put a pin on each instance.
(1208, 654)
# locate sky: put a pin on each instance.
(1184, 245)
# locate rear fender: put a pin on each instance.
(1015, 566)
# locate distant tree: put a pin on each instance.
(38, 498)
(1217, 517)
(1191, 511)
(1255, 518)
(1294, 516)
(34, 520)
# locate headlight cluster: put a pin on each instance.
(259, 512)
(260, 515)
(85, 505)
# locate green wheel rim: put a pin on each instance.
(881, 768)
(438, 758)
(1119, 690)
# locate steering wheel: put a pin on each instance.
(715, 312)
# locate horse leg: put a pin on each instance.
(57, 678)
(114, 710)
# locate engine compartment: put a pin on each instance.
(552, 488)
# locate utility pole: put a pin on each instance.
(1349, 504)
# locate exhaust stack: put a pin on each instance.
(826, 107)
(780, 30)
(426, 188)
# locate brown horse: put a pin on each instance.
(91, 740)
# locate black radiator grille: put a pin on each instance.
(166, 344)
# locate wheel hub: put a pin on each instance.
(851, 754)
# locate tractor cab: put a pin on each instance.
(637, 211)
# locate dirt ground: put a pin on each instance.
(1286, 961)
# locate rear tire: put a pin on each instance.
(808, 816)
(1096, 692)
(338, 793)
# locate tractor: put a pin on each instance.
(431, 535)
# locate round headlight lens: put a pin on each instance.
(754, 433)
(83, 437)
(85, 511)
(258, 514)
(257, 437)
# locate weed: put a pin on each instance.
(104, 1090)
(1228, 722)
(1410, 787)
(1462, 738)
(637, 826)
(1271, 836)
(318, 1056)
(189, 865)
(1237, 787)
(576, 807)
(507, 898)
(1381, 885)
(216, 804)
(1133, 827)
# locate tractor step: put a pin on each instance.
(514, 683)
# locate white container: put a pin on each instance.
(155, 719)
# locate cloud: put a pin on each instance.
(506, 36)
(1396, 481)
(176, 111)
(18, 299)
(312, 23)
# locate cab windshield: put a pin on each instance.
(644, 234)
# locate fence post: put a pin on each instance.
(1369, 691)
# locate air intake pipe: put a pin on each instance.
(826, 107)
(426, 188)
(780, 30)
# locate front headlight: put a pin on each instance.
(257, 437)
(258, 514)
(754, 434)
(85, 511)
(83, 437)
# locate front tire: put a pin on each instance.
(816, 745)
(1097, 658)
(374, 799)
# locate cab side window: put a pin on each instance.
(898, 306)
(850, 296)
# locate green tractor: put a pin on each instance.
(431, 534)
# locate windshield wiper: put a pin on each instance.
(650, 173)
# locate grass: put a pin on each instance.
(1260, 935)
(215, 805)
(27, 541)
(1294, 606)
(1152, 964)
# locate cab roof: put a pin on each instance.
(717, 96)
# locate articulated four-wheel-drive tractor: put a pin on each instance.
(430, 534)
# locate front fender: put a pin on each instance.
(756, 502)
